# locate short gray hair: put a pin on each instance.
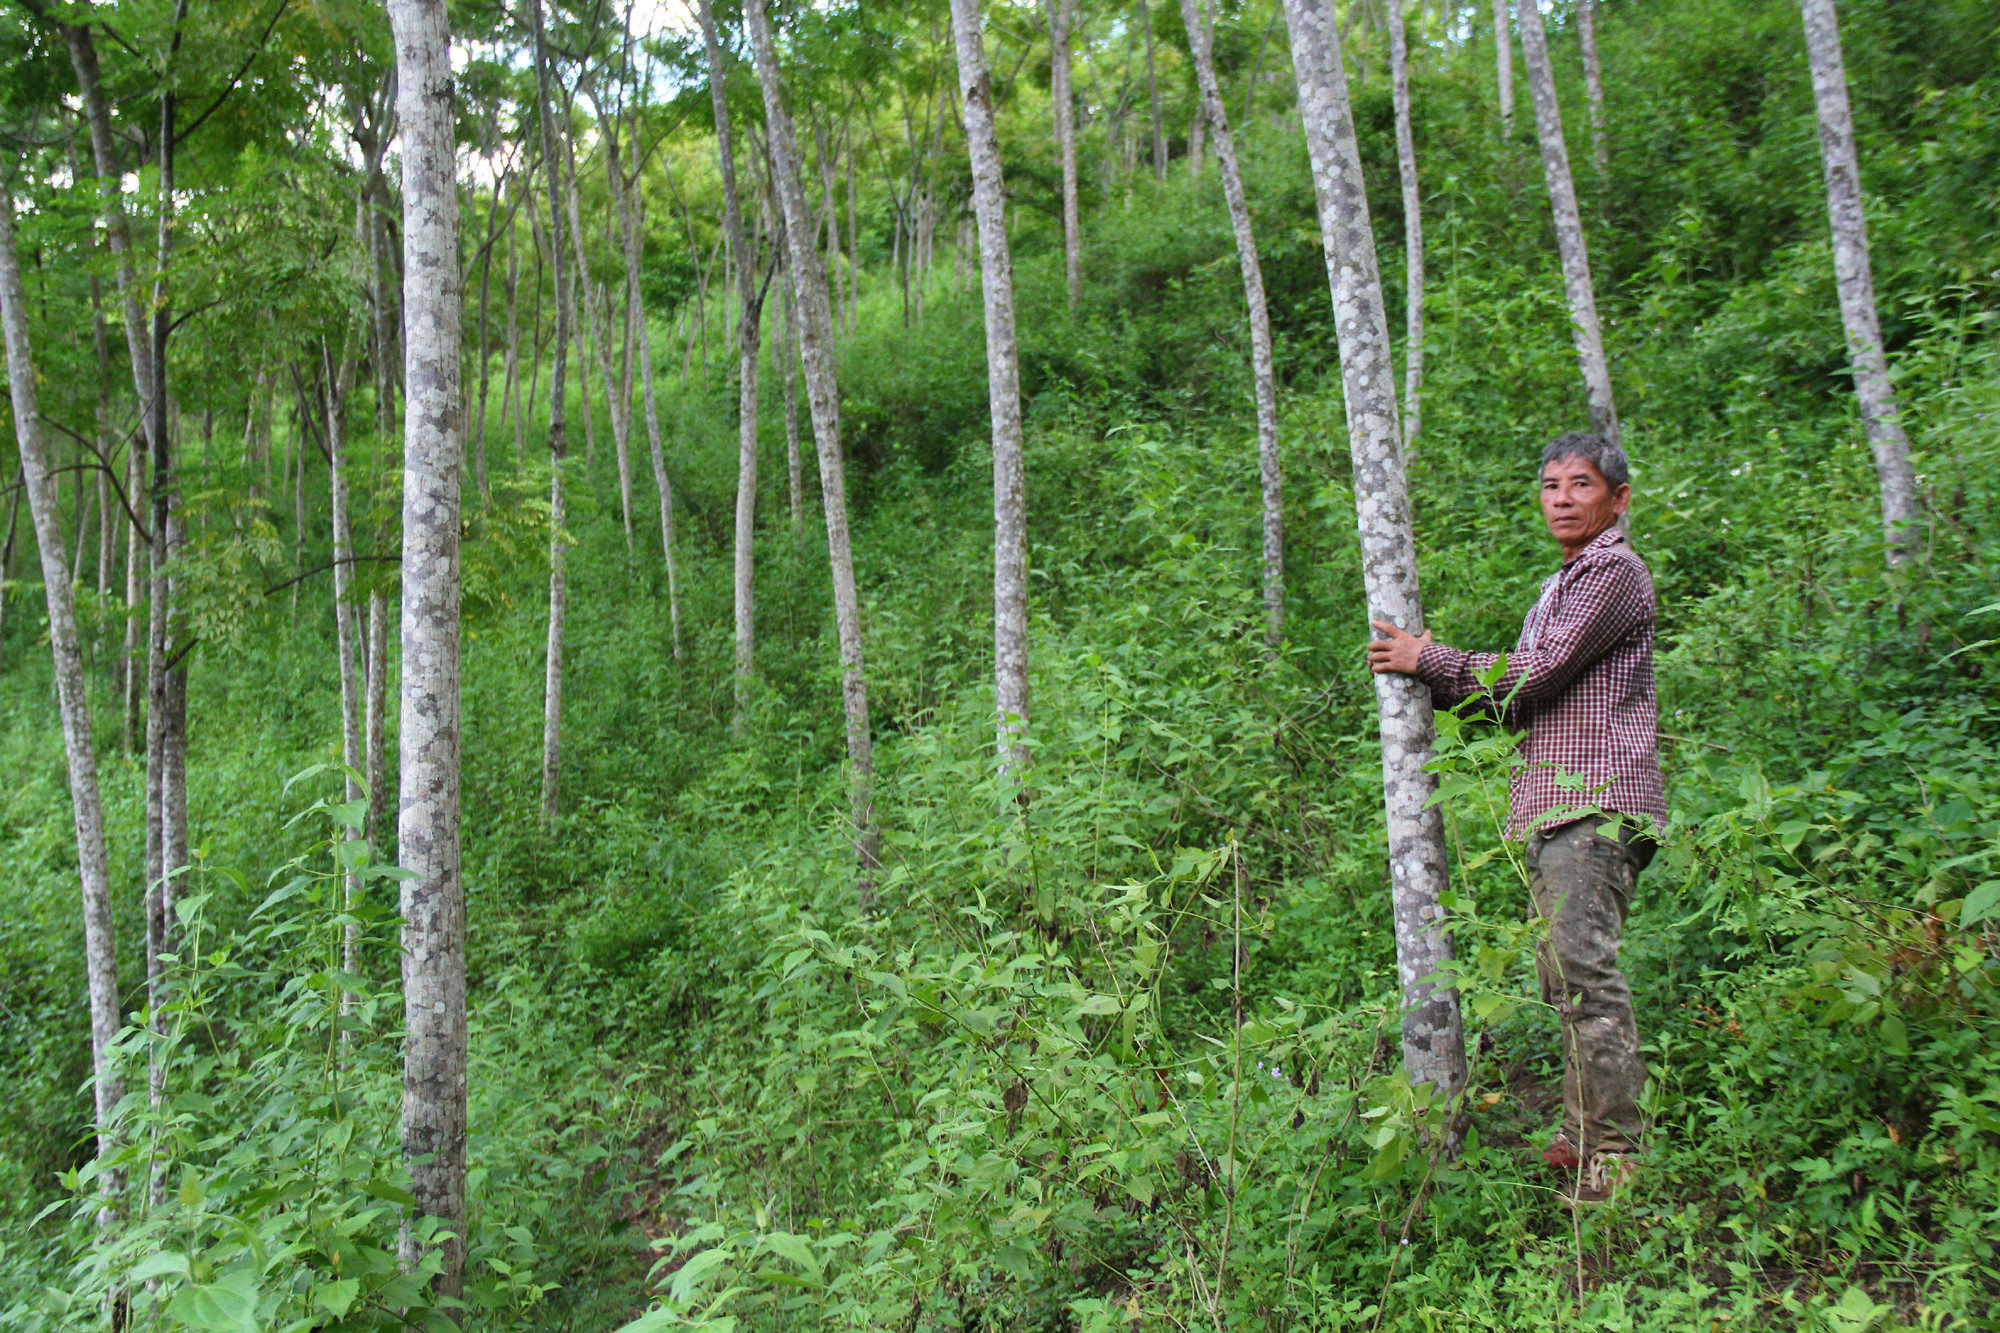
(1594, 449)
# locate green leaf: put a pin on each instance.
(337, 1298)
(1982, 903)
(688, 1277)
(788, 1246)
(1100, 1004)
(159, 1265)
(1141, 1189)
(228, 1306)
(350, 814)
(382, 1189)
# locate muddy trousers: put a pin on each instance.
(1582, 881)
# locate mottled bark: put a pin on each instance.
(1433, 1031)
(375, 723)
(433, 896)
(1003, 396)
(560, 266)
(1061, 99)
(1584, 328)
(1855, 277)
(1413, 233)
(72, 699)
(1262, 372)
(1503, 56)
(823, 398)
(1593, 85)
(743, 264)
(636, 313)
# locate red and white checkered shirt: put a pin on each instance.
(1581, 682)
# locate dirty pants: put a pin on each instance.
(1582, 882)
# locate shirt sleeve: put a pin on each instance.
(1606, 602)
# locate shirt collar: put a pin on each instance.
(1611, 536)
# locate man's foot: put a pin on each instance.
(1561, 1155)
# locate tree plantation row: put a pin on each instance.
(387, 380)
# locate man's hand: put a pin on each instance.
(1398, 652)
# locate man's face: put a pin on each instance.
(1577, 503)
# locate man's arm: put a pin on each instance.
(1606, 602)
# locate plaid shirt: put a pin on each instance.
(1581, 682)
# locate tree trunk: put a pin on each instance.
(744, 265)
(510, 385)
(1433, 1031)
(1584, 328)
(1263, 372)
(635, 312)
(479, 351)
(579, 283)
(786, 350)
(1064, 103)
(559, 264)
(376, 724)
(166, 723)
(1153, 95)
(1413, 233)
(339, 383)
(1593, 85)
(853, 251)
(1003, 397)
(433, 896)
(73, 701)
(822, 395)
(1855, 277)
(1503, 55)
(135, 563)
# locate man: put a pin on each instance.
(1587, 795)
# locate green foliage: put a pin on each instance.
(1124, 1055)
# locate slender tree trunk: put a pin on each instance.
(853, 250)
(1855, 277)
(339, 382)
(786, 350)
(1433, 1031)
(376, 724)
(1263, 372)
(635, 308)
(1003, 396)
(579, 284)
(1060, 14)
(135, 564)
(1153, 94)
(73, 701)
(510, 387)
(558, 437)
(1584, 328)
(166, 725)
(822, 395)
(1413, 233)
(433, 895)
(104, 155)
(480, 348)
(7, 548)
(1503, 55)
(744, 265)
(1593, 85)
